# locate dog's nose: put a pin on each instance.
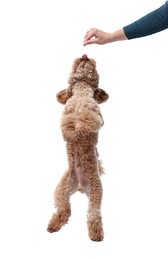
(84, 57)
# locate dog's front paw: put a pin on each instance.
(89, 121)
(69, 136)
(68, 122)
(68, 127)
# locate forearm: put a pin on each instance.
(151, 23)
(118, 35)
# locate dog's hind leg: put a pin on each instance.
(64, 190)
(94, 218)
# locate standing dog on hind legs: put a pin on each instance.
(80, 124)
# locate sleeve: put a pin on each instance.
(151, 23)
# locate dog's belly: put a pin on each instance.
(79, 173)
(80, 178)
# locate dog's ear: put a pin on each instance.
(63, 96)
(100, 95)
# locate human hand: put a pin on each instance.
(96, 36)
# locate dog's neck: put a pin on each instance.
(82, 90)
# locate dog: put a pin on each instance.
(81, 121)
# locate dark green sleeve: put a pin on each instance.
(151, 23)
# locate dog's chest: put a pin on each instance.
(78, 105)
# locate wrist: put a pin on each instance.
(118, 35)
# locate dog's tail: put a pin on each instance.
(100, 167)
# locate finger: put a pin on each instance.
(90, 33)
(90, 36)
(90, 30)
(90, 41)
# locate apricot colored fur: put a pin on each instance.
(80, 124)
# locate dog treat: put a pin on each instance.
(81, 122)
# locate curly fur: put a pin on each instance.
(80, 123)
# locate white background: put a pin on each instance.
(39, 41)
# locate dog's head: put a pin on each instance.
(83, 70)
